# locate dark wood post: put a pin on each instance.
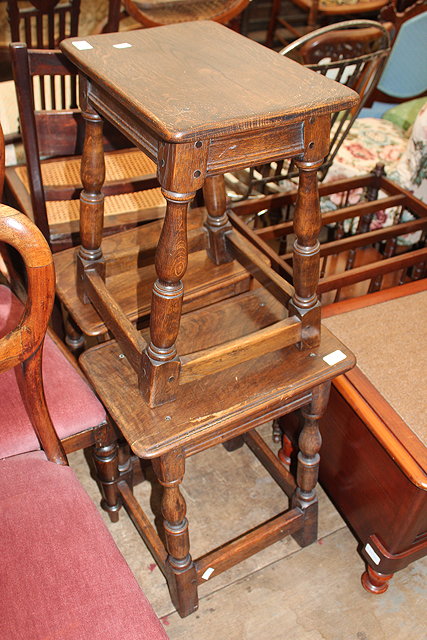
(307, 225)
(91, 197)
(217, 223)
(159, 374)
(309, 443)
(181, 572)
(106, 461)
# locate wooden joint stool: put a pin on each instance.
(195, 97)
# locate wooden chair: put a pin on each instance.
(80, 420)
(44, 23)
(161, 12)
(242, 360)
(353, 53)
(48, 186)
(62, 574)
(41, 25)
(401, 80)
(316, 11)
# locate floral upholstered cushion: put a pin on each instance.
(369, 141)
(373, 140)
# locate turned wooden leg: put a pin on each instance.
(375, 582)
(307, 224)
(234, 443)
(159, 374)
(286, 451)
(125, 464)
(309, 442)
(217, 222)
(107, 474)
(181, 572)
(74, 338)
(306, 261)
(91, 197)
(277, 431)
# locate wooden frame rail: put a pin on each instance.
(370, 237)
(207, 361)
(251, 258)
(365, 272)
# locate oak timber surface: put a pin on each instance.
(129, 258)
(202, 79)
(216, 401)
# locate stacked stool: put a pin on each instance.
(201, 100)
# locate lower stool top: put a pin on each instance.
(200, 79)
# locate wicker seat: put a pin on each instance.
(159, 12)
(316, 10)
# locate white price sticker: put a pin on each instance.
(334, 357)
(81, 45)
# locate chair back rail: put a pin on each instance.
(353, 53)
(45, 23)
(51, 124)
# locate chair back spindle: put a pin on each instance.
(43, 24)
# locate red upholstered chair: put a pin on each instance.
(80, 420)
(61, 576)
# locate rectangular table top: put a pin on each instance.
(200, 79)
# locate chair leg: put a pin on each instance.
(106, 461)
(233, 444)
(125, 462)
(74, 338)
(309, 442)
(180, 569)
(375, 582)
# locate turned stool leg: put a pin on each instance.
(159, 375)
(217, 222)
(181, 572)
(91, 197)
(308, 465)
(307, 224)
(74, 338)
(375, 582)
(106, 460)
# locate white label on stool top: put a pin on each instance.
(207, 574)
(81, 45)
(334, 357)
(371, 553)
(122, 45)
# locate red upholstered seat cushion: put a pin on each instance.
(72, 404)
(62, 576)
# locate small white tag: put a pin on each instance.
(122, 45)
(207, 574)
(81, 45)
(334, 357)
(371, 553)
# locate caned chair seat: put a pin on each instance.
(160, 12)
(64, 173)
(78, 407)
(119, 165)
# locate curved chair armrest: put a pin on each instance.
(18, 231)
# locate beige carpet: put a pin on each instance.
(389, 341)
